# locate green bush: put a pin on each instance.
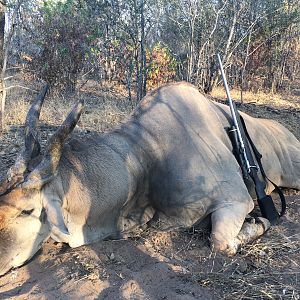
(64, 38)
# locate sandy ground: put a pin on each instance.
(155, 265)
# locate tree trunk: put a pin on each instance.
(191, 44)
(243, 71)
(2, 58)
(143, 73)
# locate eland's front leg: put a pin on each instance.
(230, 230)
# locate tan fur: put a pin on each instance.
(11, 206)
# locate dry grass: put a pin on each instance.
(283, 109)
(261, 272)
(106, 104)
(260, 98)
(104, 107)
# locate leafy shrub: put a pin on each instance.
(64, 36)
(161, 66)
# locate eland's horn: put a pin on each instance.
(53, 151)
(32, 147)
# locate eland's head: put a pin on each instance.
(26, 220)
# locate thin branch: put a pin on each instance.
(261, 44)
(21, 87)
(9, 77)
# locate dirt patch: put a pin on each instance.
(155, 265)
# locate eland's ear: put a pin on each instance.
(55, 218)
(47, 168)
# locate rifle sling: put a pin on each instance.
(258, 157)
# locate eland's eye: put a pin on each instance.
(26, 212)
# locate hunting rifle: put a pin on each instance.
(243, 150)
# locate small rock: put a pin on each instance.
(242, 266)
(103, 257)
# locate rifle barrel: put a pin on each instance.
(233, 114)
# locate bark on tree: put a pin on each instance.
(2, 61)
